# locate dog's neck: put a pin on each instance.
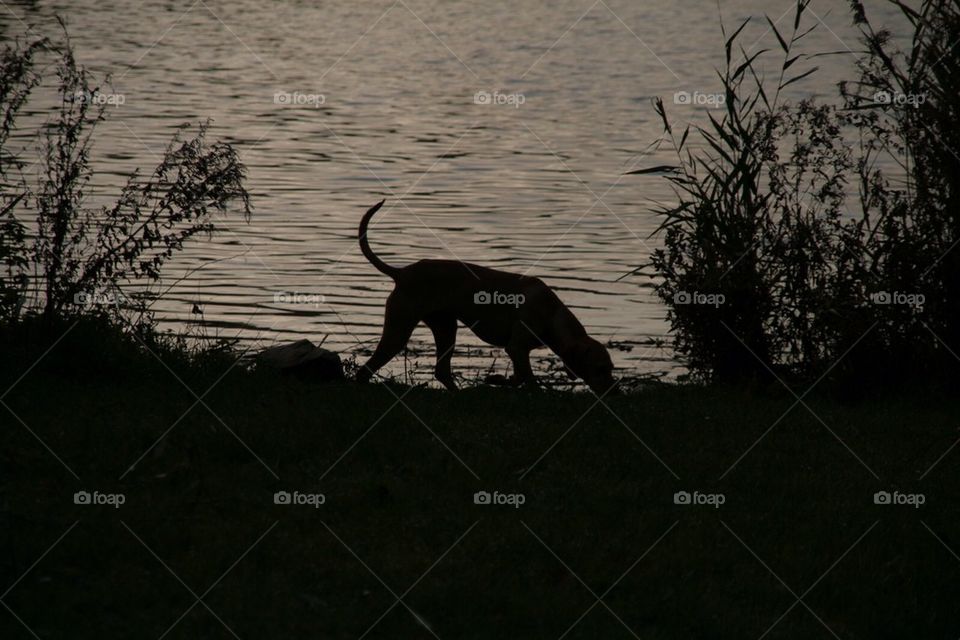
(564, 333)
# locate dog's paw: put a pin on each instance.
(498, 380)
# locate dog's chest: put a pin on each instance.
(492, 332)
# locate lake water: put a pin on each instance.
(335, 105)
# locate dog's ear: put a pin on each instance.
(574, 356)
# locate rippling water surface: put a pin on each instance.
(535, 187)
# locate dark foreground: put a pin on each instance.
(399, 549)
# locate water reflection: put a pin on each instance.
(535, 186)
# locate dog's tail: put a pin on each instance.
(368, 253)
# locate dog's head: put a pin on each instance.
(588, 360)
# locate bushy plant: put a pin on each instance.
(904, 105)
(17, 80)
(67, 253)
(789, 214)
(759, 196)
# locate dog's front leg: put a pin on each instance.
(520, 356)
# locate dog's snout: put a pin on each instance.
(609, 387)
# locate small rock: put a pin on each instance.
(303, 359)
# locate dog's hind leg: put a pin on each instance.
(399, 321)
(444, 329)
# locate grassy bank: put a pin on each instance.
(398, 479)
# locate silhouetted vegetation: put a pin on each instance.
(791, 250)
(904, 106)
(61, 257)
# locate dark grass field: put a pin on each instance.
(399, 549)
